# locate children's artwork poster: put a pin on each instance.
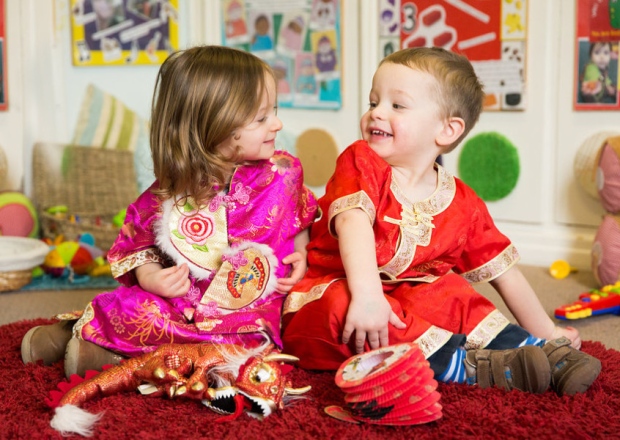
(301, 41)
(492, 34)
(123, 32)
(3, 69)
(596, 57)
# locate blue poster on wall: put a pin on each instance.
(301, 41)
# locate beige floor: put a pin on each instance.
(20, 305)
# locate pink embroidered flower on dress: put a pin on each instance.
(236, 261)
(196, 227)
(281, 163)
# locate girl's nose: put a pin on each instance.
(277, 126)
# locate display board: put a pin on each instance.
(123, 32)
(492, 34)
(596, 55)
(300, 39)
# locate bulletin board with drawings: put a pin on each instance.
(123, 32)
(596, 55)
(300, 39)
(492, 34)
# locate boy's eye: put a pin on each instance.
(372, 105)
(397, 106)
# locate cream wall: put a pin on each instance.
(547, 215)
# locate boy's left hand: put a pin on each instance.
(298, 261)
(570, 332)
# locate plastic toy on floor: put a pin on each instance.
(592, 303)
(75, 259)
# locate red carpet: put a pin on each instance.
(468, 412)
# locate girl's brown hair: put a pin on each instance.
(202, 95)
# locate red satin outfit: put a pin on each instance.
(428, 255)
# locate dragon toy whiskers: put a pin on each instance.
(229, 379)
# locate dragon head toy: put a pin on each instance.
(229, 379)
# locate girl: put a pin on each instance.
(206, 253)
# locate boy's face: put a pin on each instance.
(402, 122)
(601, 56)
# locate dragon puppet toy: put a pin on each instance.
(229, 379)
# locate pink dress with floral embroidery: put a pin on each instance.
(234, 249)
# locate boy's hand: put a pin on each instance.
(171, 282)
(298, 261)
(369, 319)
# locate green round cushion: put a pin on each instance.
(489, 163)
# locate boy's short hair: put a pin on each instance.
(459, 91)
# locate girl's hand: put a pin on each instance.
(570, 332)
(369, 318)
(298, 261)
(170, 282)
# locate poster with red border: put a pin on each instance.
(596, 55)
(4, 103)
(492, 34)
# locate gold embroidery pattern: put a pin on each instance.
(241, 281)
(296, 300)
(416, 222)
(494, 268)
(432, 340)
(357, 200)
(149, 320)
(486, 331)
(127, 264)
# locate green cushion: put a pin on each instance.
(489, 163)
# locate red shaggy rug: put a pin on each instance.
(468, 412)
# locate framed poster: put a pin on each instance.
(492, 34)
(596, 55)
(3, 69)
(300, 39)
(123, 32)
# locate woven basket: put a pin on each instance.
(14, 280)
(93, 183)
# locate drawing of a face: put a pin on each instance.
(262, 25)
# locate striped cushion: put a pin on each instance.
(105, 122)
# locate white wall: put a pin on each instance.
(547, 215)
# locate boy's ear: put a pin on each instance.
(452, 130)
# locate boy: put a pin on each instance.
(401, 240)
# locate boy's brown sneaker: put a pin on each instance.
(524, 368)
(82, 355)
(46, 343)
(572, 371)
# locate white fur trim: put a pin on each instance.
(70, 419)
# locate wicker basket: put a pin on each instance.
(14, 280)
(18, 256)
(94, 184)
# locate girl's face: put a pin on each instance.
(601, 55)
(403, 120)
(257, 139)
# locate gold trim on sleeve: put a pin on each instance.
(359, 200)
(494, 268)
(127, 264)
